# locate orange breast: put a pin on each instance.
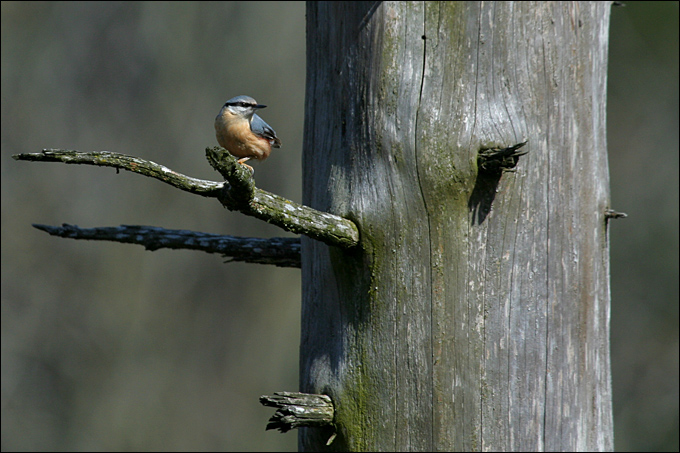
(237, 138)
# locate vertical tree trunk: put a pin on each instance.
(475, 313)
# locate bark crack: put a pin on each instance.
(429, 225)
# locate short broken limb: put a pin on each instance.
(497, 160)
(239, 193)
(491, 164)
(611, 214)
(282, 252)
(298, 409)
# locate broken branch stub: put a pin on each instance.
(298, 409)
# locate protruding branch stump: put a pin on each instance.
(298, 409)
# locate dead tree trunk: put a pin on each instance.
(474, 314)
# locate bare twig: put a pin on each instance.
(282, 252)
(238, 194)
(129, 163)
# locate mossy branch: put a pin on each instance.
(237, 193)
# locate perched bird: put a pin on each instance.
(244, 134)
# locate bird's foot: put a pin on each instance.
(242, 161)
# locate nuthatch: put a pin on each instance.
(244, 134)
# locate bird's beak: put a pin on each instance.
(260, 106)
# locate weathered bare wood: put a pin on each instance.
(297, 410)
(240, 194)
(282, 252)
(125, 162)
(474, 315)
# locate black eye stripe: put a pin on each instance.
(240, 104)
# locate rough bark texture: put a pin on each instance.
(474, 315)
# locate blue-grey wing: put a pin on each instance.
(264, 130)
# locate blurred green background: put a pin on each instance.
(109, 347)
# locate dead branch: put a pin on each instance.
(237, 193)
(282, 252)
